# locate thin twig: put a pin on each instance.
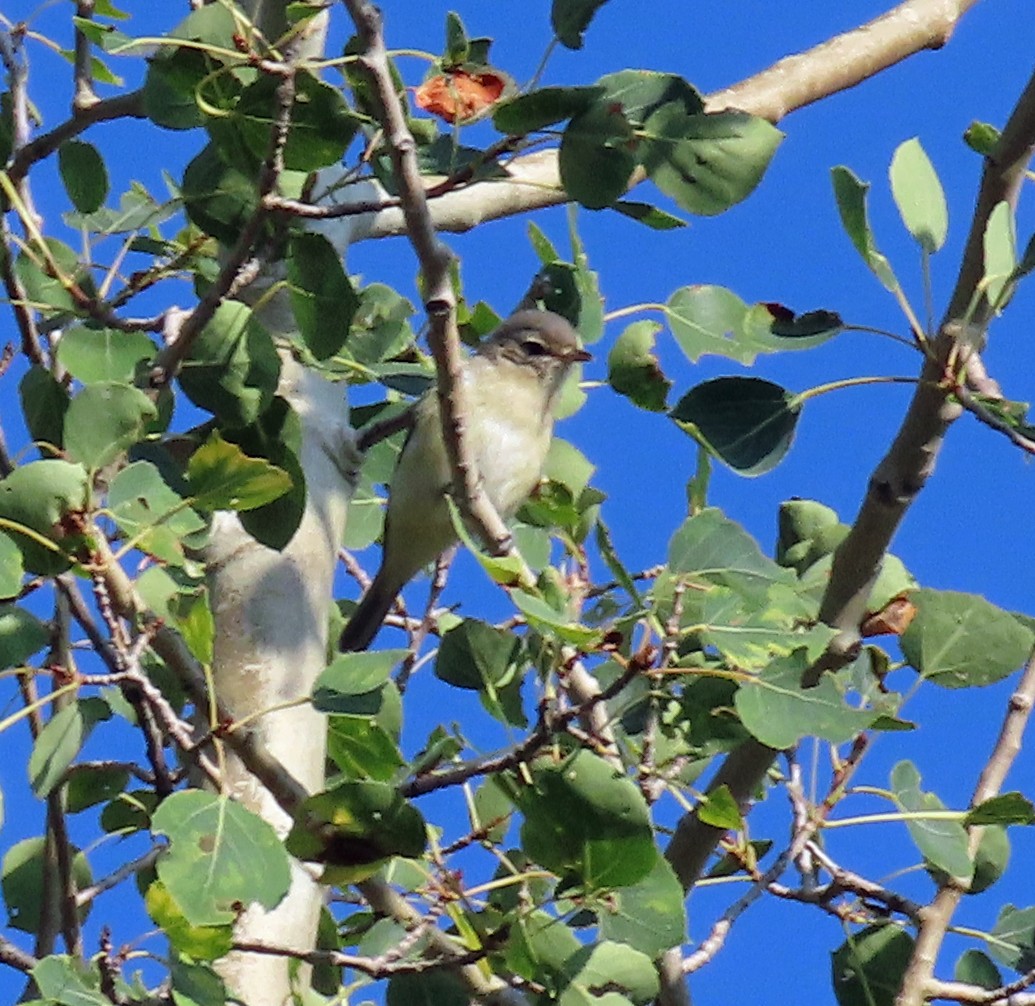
(116, 877)
(936, 917)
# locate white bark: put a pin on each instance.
(270, 610)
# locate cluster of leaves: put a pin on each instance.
(578, 899)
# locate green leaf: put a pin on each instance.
(219, 199)
(196, 984)
(42, 496)
(990, 859)
(477, 656)
(963, 641)
(233, 368)
(711, 319)
(46, 278)
(747, 423)
(582, 816)
(545, 107)
(707, 162)
(276, 436)
(981, 137)
(23, 882)
(69, 981)
(976, 968)
(640, 93)
(596, 158)
(171, 85)
(649, 216)
(650, 915)
(21, 635)
(362, 749)
(628, 976)
(720, 810)
(92, 355)
(869, 966)
(152, 514)
(749, 633)
(1007, 808)
(441, 988)
(351, 674)
(130, 811)
(44, 404)
(570, 19)
(850, 193)
(919, 196)
(223, 477)
(540, 946)
(1012, 939)
(137, 210)
(943, 843)
(712, 548)
(11, 569)
(202, 943)
(322, 125)
(458, 46)
(321, 294)
(98, 784)
(1000, 244)
(779, 712)
(84, 175)
(380, 327)
(61, 740)
(220, 856)
(633, 369)
(354, 826)
(104, 420)
(552, 623)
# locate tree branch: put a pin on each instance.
(934, 922)
(435, 259)
(896, 482)
(838, 64)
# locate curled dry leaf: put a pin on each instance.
(461, 96)
(892, 620)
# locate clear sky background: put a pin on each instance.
(970, 529)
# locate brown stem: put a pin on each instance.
(435, 259)
(935, 919)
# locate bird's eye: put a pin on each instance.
(534, 348)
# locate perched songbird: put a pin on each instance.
(512, 381)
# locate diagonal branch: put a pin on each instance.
(934, 922)
(836, 65)
(435, 259)
(894, 486)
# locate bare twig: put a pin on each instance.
(935, 919)
(116, 877)
(84, 96)
(122, 106)
(14, 957)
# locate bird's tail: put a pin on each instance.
(368, 616)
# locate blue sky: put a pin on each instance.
(969, 530)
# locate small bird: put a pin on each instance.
(512, 382)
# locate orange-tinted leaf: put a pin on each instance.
(461, 95)
(892, 620)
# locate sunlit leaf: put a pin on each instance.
(919, 196)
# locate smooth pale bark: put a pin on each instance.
(270, 610)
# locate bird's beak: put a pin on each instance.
(577, 356)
